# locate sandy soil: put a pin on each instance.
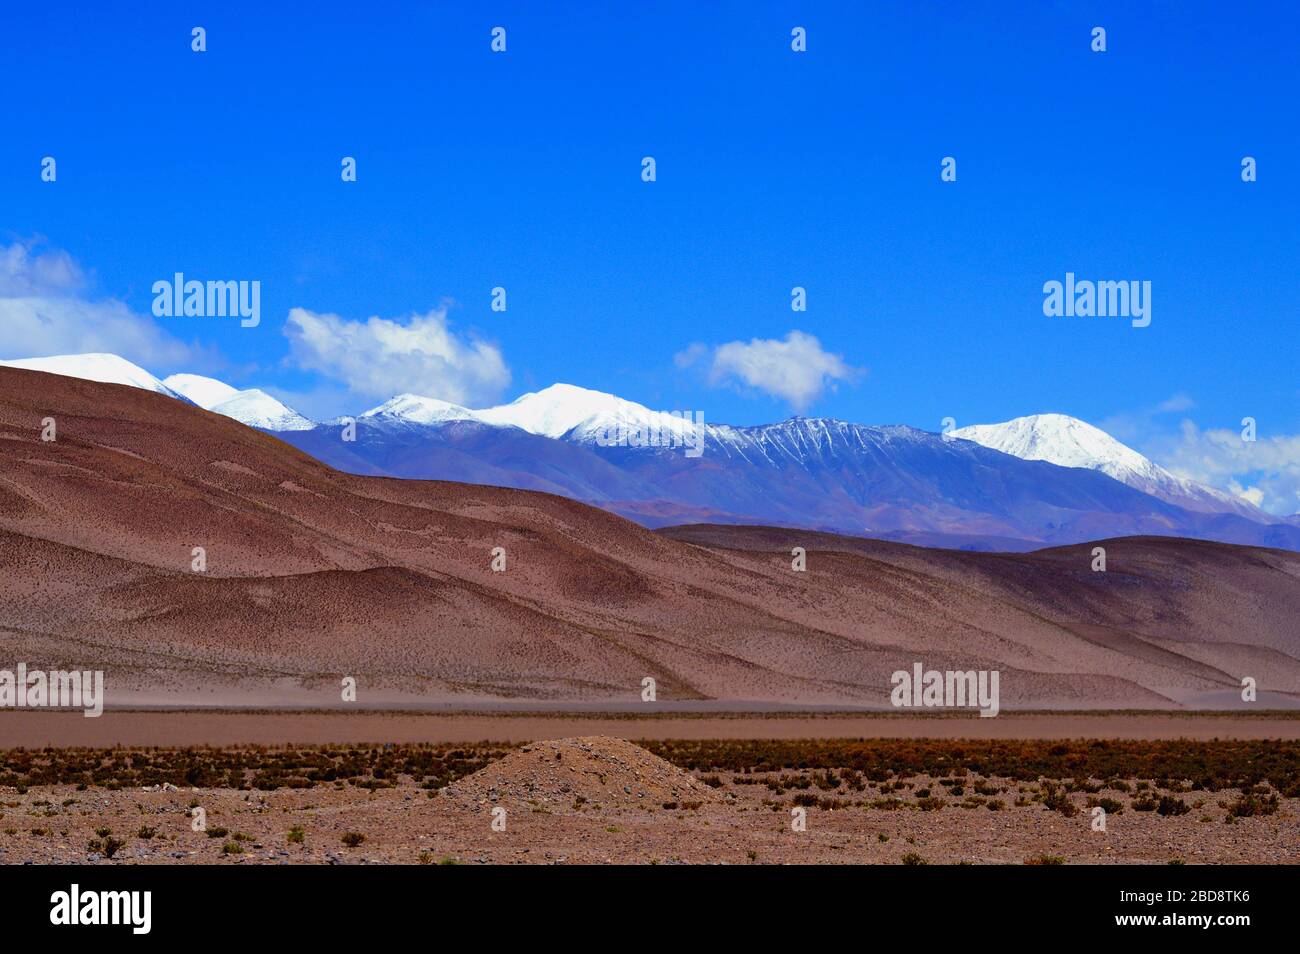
(603, 801)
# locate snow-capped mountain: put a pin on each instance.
(580, 415)
(253, 406)
(256, 408)
(553, 411)
(207, 393)
(561, 411)
(1070, 442)
(105, 368)
(895, 482)
(1019, 485)
(1064, 440)
(416, 410)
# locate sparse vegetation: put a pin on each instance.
(1109, 805)
(244, 767)
(1058, 800)
(1181, 765)
(1168, 805)
(1210, 782)
(1256, 801)
(105, 844)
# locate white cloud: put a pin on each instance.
(1250, 494)
(379, 357)
(795, 369)
(1178, 402)
(1141, 425)
(1265, 471)
(45, 309)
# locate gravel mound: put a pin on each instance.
(591, 771)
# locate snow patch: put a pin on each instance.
(105, 368)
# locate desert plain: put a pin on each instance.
(227, 585)
(743, 789)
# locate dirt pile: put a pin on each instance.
(594, 771)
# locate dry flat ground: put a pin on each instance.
(604, 800)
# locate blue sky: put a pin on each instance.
(774, 169)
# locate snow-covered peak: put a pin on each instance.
(256, 408)
(105, 368)
(554, 411)
(253, 406)
(1069, 442)
(1063, 440)
(416, 409)
(207, 393)
(557, 410)
(561, 410)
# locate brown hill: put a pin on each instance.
(313, 574)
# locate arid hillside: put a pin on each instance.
(312, 575)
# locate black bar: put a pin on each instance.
(366, 903)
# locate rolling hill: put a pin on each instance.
(313, 574)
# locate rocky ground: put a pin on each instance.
(600, 800)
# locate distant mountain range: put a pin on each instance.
(312, 574)
(1033, 481)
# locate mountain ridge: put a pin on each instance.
(979, 486)
(1070, 442)
(312, 573)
